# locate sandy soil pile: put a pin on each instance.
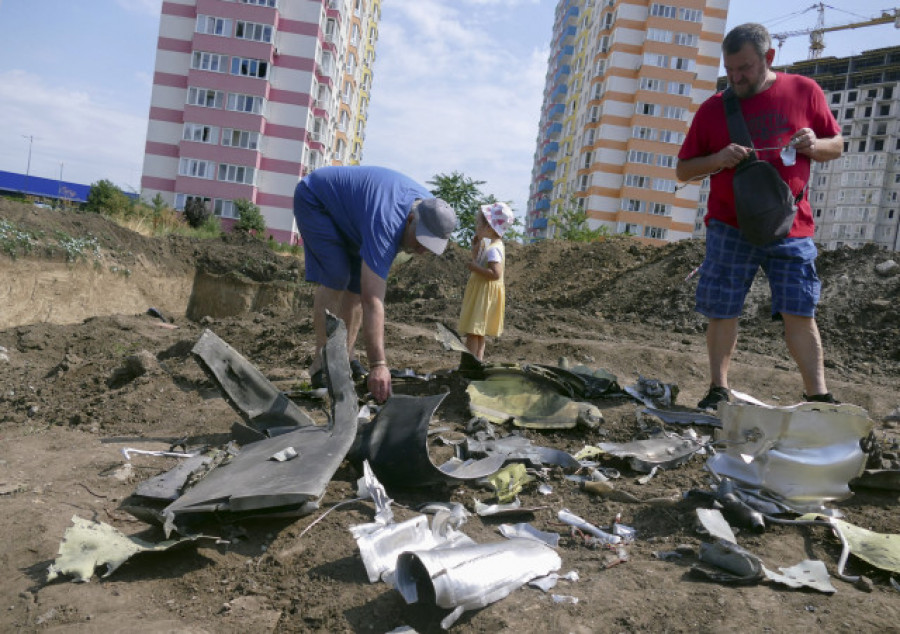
(71, 397)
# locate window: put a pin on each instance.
(212, 62)
(848, 113)
(870, 94)
(236, 174)
(583, 182)
(249, 67)
(196, 168)
(586, 162)
(690, 15)
(836, 97)
(641, 132)
(659, 35)
(887, 92)
(687, 39)
(651, 109)
(205, 98)
(663, 10)
(253, 31)
(656, 85)
(682, 63)
(655, 232)
(213, 26)
(224, 208)
(851, 96)
(632, 204)
(678, 88)
(670, 136)
(200, 133)
(674, 112)
(868, 111)
(656, 59)
(635, 180)
(665, 160)
(638, 156)
(262, 3)
(244, 103)
(884, 110)
(182, 199)
(664, 185)
(878, 145)
(240, 138)
(660, 209)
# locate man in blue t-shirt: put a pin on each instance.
(354, 220)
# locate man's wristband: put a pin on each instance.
(375, 364)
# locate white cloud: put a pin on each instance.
(93, 140)
(147, 7)
(447, 96)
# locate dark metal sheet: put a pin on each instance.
(396, 446)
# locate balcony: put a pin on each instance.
(565, 69)
(539, 223)
(545, 186)
(556, 110)
(550, 148)
(542, 204)
(549, 166)
(565, 53)
(558, 92)
(554, 131)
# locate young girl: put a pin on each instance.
(484, 301)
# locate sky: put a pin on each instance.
(457, 83)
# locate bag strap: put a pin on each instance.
(738, 131)
(737, 126)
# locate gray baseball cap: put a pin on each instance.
(436, 223)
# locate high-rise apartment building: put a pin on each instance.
(251, 95)
(855, 199)
(623, 80)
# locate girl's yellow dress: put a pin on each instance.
(484, 301)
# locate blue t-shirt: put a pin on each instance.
(369, 206)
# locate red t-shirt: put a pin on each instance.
(773, 116)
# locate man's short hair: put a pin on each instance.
(756, 34)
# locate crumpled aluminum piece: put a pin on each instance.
(471, 577)
(804, 454)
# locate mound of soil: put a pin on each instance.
(85, 371)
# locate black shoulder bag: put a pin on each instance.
(763, 202)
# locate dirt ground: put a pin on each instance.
(70, 402)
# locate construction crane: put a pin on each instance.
(817, 33)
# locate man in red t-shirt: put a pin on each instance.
(782, 112)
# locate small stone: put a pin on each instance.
(864, 584)
(887, 268)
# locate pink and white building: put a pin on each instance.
(251, 95)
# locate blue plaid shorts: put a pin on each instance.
(731, 264)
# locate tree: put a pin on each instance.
(250, 219)
(106, 198)
(571, 224)
(196, 212)
(463, 194)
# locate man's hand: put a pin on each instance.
(731, 155)
(379, 383)
(804, 140)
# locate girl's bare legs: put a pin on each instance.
(475, 344)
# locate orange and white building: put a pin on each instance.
(624, 79)
(251, 95)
